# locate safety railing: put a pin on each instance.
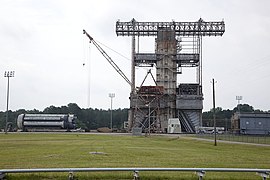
(264, 173)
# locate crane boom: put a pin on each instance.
(109, 59)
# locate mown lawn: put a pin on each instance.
(48, 150)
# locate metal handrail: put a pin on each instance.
(264, 173)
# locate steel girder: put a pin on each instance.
(198, 28)
(182, 59)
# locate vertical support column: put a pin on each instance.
(131, 120)
(136, 175)
(198, 49)
(132, 93)
(2, 176)
(200, 174)
(166, 69)
(200, 46)
(200, 70)
(133, 64)
(264, 175)
(70, 175)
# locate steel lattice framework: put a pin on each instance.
(178, 44)
(183, 60)
(199, 28)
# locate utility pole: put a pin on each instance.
(214, 112)
(8, 74)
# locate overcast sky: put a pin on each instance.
(42, 41)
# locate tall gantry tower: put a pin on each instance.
(177, 45)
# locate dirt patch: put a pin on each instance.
(98, 153)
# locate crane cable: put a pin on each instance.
(87, 64)
(108, 58)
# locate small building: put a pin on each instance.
(174, 126)
(251, 123)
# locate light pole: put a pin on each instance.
(238, 98)
(8, 74)
(111, 95)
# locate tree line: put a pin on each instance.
(87, 119)
(90, 118)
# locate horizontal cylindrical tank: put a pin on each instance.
(46, 121)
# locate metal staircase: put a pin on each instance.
(185, 122)
(194, 118)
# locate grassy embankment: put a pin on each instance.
(74, 150)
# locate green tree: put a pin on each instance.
(243, 108)
(52, 110)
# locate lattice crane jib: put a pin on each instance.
(108, 58)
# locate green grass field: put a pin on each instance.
(45, 150)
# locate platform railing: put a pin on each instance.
(264, 173)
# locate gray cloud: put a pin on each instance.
(43, 42)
